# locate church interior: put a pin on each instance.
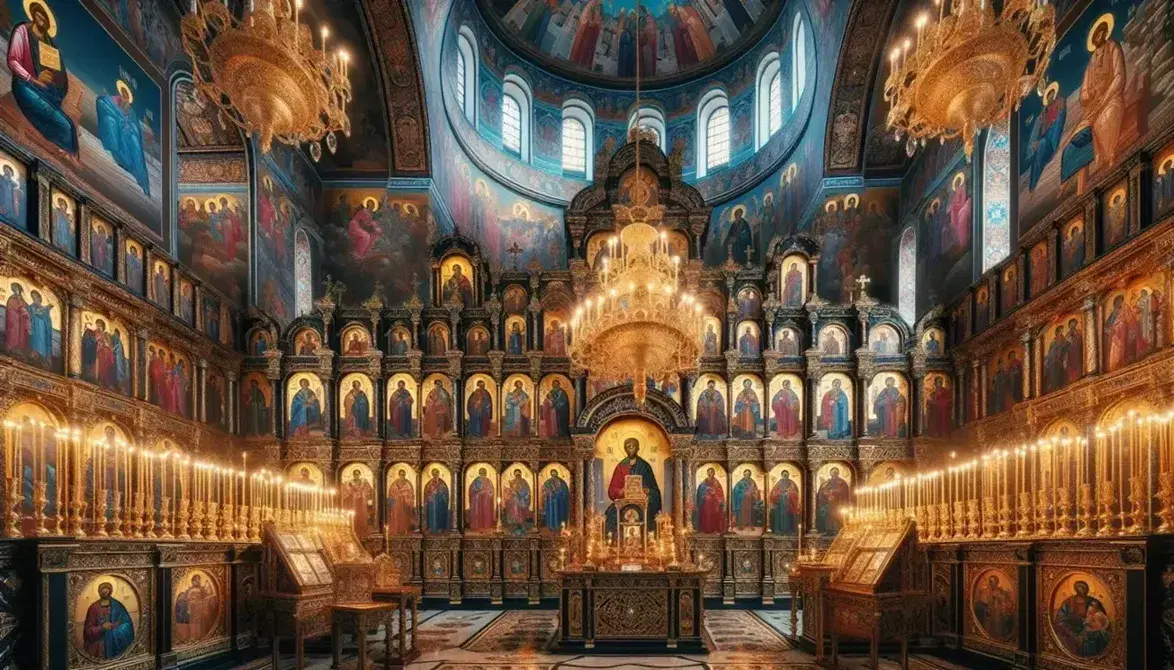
(586, 334)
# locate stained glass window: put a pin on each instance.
(798, 61)
(511, 124)
(996, 196)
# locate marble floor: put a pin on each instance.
(518, 639)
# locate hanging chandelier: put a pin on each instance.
(968, 70)
(266, 75)
(637, 323)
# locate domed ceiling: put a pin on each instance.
(595, 40)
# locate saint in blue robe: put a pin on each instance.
(784, 512)
(480, 414)
(305, 411)
(835, 417)
(107, 643)
(360, 412)
(436, 506)
(41, 103)
(121, 363)
(41, 330)
(1045, 139)
(747, 504)
(555, 503)
(122, 136)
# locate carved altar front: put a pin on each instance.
(624, 610)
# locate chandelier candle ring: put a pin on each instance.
(266, 75)
(968, 70)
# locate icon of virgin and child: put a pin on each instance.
(632, 465)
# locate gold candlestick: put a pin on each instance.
(100, 509)
(973, 513)
(1085, 503)
(182, 520)
(15, 503)
(1062, 527)
(77, 510)
(1025, 525)
(196, 529)
(1105, 500)
(40, 507)
(960, 522)
(1041, 514)
(135, 514)
(1004, 516)
(945, 528)
(1137, 500)
(165, 519)
(210, 515)
(1166, 497)
(116, 514)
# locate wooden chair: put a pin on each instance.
(389, 587)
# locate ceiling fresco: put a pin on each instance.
(596, 40)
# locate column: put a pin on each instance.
(73, 334)
(1092, 335)
(1030, 366)
(458, 494)
(812, 273)
(577, 496)
(977, 398)
(812, 390)
(139, 371)
(232, 393)
(679, 493)
(591, 495)
(201, 413)
(458, 419)
(1135, 200)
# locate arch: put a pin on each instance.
(907, 275)
(467, 67)
(713, 132)
(516, 116)
(578, 139)
(768, 102)
(652, 119)
(798, 60)
(996, 195)
(303, 274)
(618, 401)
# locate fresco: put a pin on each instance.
(30, 321)
(1133, 321)
(357, 493)
(556, 409)
(84, 105)
(276, 218)
(835, 411)
(105, 618)
(884, 340)
(151, 25)
(106, 353)
(135, 279)
(944, 233)
(14, 191)
(376, 236)
(308, 474)
(554, 500)
(1084, 615)
(1072, 247)
(938, 413)
(785, 499)
(746, 420)
(710, 509)
(848, 228)
(101, 245)
(305, 403)
(481, 485)
(608, 38)
(1163, 186)
(995, 604)
(213, 237)
(517, 499)
(170, 379)
(888, 406)
(480, 404)
(1104, 99)
(437, 418)
(786, 406)
(401, 515)
(709, 407)
(197, 607)
(833, 483)
(401, 406)
(516, 406)
(1005, 379)
(256, 405)
(63, 222)
(436, 493)
(356, 411)
(1115, 216)
(1063, 347)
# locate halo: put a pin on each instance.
(1053, 89)
(187, 201)
(16, 169)
(371, 203)
(1106, 19)
(267, 181)
(210, 203)
(851, 200)
(28, 6)
(520, 209)
(124, 91)
(1163, 167)
(1076, 225)
(480, 182)
(411, 208)
(769, 197)
(740, 209)
(934, 205)
(1117, 197)
(830, 206)
(959, 179)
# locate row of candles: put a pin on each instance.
(1119, 483)
(59, 484)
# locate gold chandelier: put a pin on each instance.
(266, 75)
(968, 70)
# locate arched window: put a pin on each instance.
(768, 100)
(713, 129)
(466, 75)
(303, 274)
(578, 139)
(798, 60)
(996, 195)
(651, 119)
(515, 116)
(907, 276)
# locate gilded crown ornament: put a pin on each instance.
(265, 73)
(967, 70)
